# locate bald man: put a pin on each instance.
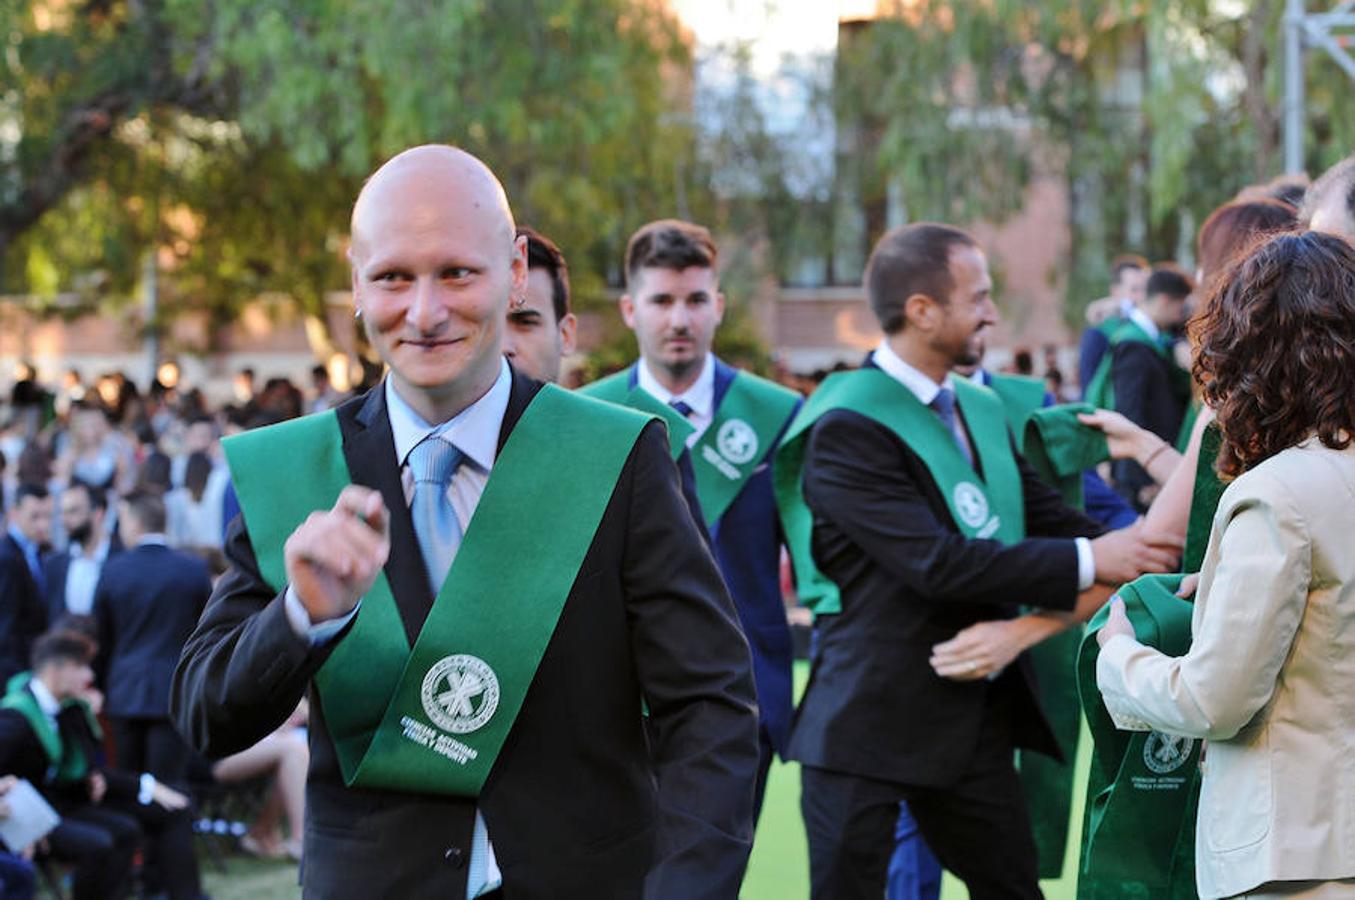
(477, 638)
(1329, 204)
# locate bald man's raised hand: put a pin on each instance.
(334, 556)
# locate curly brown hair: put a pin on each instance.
(1276, 348)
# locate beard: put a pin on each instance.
(81, 534)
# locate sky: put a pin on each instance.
(775, 27)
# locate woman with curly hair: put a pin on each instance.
(1269, 679)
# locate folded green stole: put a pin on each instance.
(66, 762)
(750, 416)
(434, 718)
(987, 507)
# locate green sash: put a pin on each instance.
(616, 389)
(1143, 786)
(1100, 391)
(989, 507)
(434, 718)
(66, 762)
(1060, 447)
(1204, 500)
(745, 426)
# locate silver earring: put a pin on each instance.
(357, 314)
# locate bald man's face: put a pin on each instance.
(1334, 217)
(434, 263)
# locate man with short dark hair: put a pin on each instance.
(23, 583)
(1330, 203)
(1128, 277)
(911, 519)
(49, 734)
(729, 422)
(541, 328)
(73, 574)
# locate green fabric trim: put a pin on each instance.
(409, 720)
(1204, 500)
(1021, 396)
(1061, 448)
(616, 389)
(66, 762)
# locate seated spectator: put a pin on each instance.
(284, 757)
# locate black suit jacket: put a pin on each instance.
(910, 580)
(148, 601)
(23, 609)
(572, 803)
(1148, 393)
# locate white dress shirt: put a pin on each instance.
(1141, 319)
(926, 390)
(700, 396)
(82, 577)
(475, 432)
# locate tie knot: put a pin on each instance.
(944, 403)
(683, 408)
(434, 460)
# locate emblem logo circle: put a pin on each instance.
(460, 693)
(1165, 753)
(737, 441)
(971, 504)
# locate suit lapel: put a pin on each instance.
(369, 450)
(520, 395)
(724, 377)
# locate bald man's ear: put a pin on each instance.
(519, 265)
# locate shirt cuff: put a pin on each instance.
(302, 626)
(1086, 564)
(146, 793)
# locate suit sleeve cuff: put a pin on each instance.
(317, 634)
(1086, 564)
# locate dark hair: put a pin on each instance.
(1234, 227)
(1276, 348)
(1339, 177)
(98, 498)
(908, 260)
(1169, 280)
(1126, 261)
(63, 645)
(34, 466)
(542, 253)
(196, 473)
(148, 506)
(319, 371)
(155, 472)
(669, 244)
(28, 489)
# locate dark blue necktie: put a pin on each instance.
(944, 404)
(683, 407)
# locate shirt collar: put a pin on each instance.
(1127, 307)
(700, 396)
(893, 365)
(1140, 318)
(47, 701)
(474, 431)
(154, 539)
(21, 539)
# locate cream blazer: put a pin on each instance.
(1270, 677)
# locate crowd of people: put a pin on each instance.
(429, 612)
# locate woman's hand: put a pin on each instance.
(1126, 440)
(1117, 624)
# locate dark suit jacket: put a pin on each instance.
(1147, 394)
(21, 754)
(910, 580)
(747, 541)
(23, 609)
(148, 601)
(572, 803)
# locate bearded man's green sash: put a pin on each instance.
(1143, 792)
(434, 718)
(66, 762)
(987, 507)
(745, 425)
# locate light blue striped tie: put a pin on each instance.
(433, 461)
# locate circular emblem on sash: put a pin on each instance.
(1165, 753)
(971, 504)
(737, 441)
(460, 693)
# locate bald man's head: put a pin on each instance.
(434, 261)
(1330, 203)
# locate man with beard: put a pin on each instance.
(922, 520)
(73, 574)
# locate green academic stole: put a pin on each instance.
(750, 417)
(66, 762)
(1060, 448)
(1144, 786)
(434, 718)
(1100, 391)
(616, 389)
(988, 507)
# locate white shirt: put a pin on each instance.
(700, 396)
(475, 432)
(47, 701)
(1140, 318)
(82, 577)
(926, 390)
